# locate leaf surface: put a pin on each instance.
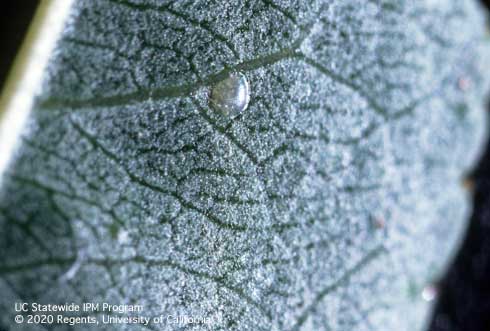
(328, 204)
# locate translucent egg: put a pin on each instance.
(231, 95)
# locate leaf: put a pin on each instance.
(328, 204)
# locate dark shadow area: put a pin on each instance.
(464, 302)
(15, 19)
(486, 3)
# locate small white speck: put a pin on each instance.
(123, 237)
(429, 293)
(70, 273)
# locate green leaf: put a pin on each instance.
(329, 203)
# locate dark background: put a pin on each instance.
(464, 294)
(14, 20)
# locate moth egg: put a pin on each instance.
(231, 95)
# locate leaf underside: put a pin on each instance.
(328, 204)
